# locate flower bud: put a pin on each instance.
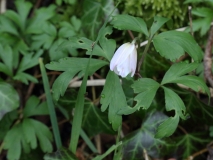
(124, 60)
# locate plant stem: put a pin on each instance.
(144, 54)
(117, 153)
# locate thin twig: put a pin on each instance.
(208, 58)
(190, 20)
(131, 35)
(182, 129)
(143, 55)
(3, 6)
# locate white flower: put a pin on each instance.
(124, 60)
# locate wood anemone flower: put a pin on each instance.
(124, 60)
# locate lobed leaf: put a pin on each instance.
(127, 22)
(177, 70)
(9, 99)
(168, 127)
(113, 98)
(173, 44)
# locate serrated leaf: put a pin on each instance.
(193, 82)
(95, 121)
(178, 70)
(29, 60)
(62, 154)
(43, 134)
(41, 16)
(29, 133)
(108, 45)
(32, 107)
(168, 127)
(113, 97)
(23, 8)
(9, 99)
(84, 43)
(6, 122)
(147, 89)
(127, 22)
(174, 102)
(6, 55)
(157, 23)
(172, 44)
(24, 77)
(7, 26)
(71, 66)
(144, 87)
(12, 142)
(143, 138)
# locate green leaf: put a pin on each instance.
(178, 70)
(23, 135)
(24, 77)
(157, 23)
(168, 127)
(9, 99)
(14, 17)
(189, 142)
(204, 22)
(173, 44)
(147, 89)
(113, 97)
(12, 142)
(30, 60)
(41, 16)
(174, 102)
(29, 133)
(71, 66)
(127, 22)
(23, 8)
(193, 82)
(62, 154)
(143, 138)
(108, 45)
(92, 17)
(33, 107)
(6, 54)
(95, 121)
(43, 134)
(7, 26)
(45, 39)
(6, 122)
(198, 111)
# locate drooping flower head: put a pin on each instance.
(124, 60)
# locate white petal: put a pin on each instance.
(121, 54)
(133, 61)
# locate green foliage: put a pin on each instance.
(127, 22)
(188, 141)
(95, 121)
(143, 138)
(178, 43)
(71, 66)
(62, 154)
(9, 99)
(14, 141)
(113, 98)
(172, 9)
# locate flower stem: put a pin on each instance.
(117, 153)
(144, 54)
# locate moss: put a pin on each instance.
(174, 9)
